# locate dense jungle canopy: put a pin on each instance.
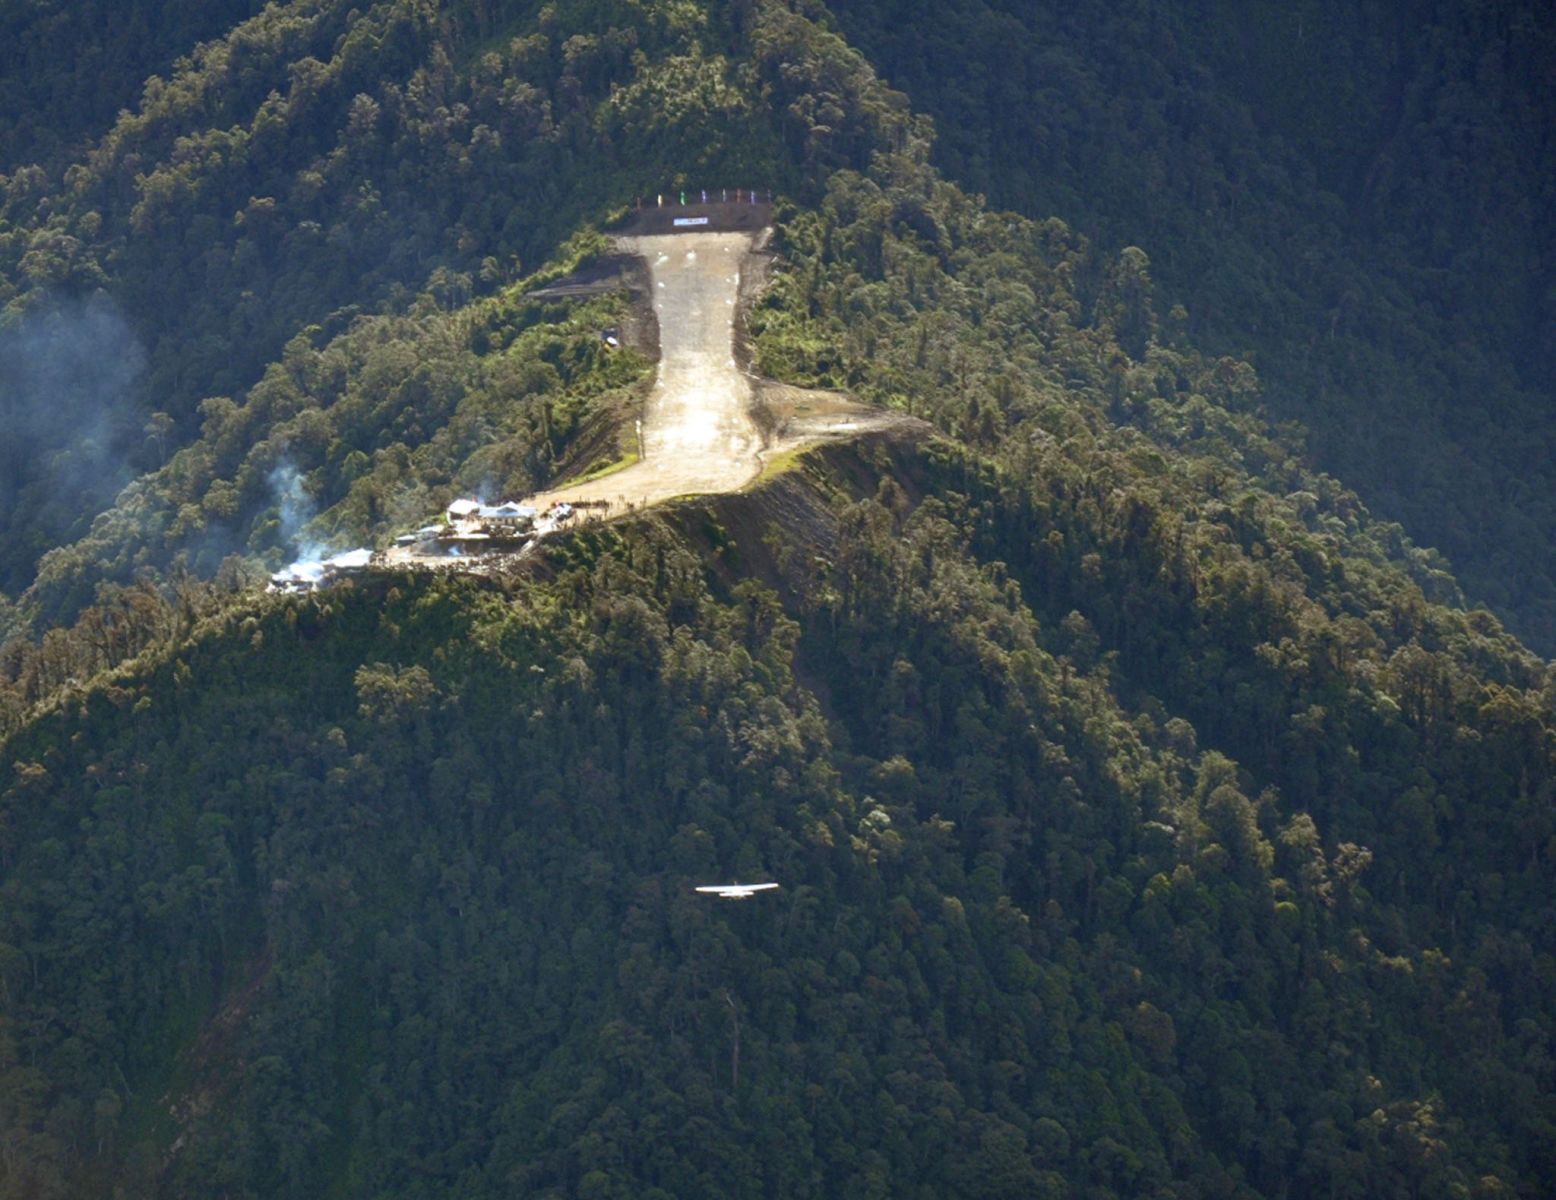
(1158, 812)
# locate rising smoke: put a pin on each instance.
(297, 511)
(69, 371)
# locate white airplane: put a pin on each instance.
(735, 891)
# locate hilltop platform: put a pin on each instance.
(732, 217)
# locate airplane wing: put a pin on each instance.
(735, 891)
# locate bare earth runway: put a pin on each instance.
(698, 435)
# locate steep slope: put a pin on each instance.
(71, 65)
(1151, 817)
(390, 891)
(257, 351)
(1358, 200)
(324, 161)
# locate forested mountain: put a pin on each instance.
(320, 163)
(1152, 818)
(1359, 199)
(71, 65)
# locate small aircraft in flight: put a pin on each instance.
(735, 891)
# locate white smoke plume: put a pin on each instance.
(69, 374)
(297, 511)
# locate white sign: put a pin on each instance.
(691, 220)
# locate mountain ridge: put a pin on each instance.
(1152, 817)
(1356, 203)
(912, 784)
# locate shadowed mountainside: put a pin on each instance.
(1357, 200)
(1153, 818)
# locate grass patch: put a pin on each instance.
(586, 245)
(778, 464)
(621, 464)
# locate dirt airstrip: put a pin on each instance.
(700, 431)
(708, 425)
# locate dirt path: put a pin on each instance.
(697, 431)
